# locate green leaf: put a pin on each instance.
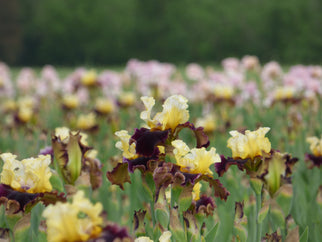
(3, 219)
(36, 214)
(284, 198)
(22, 229)
(162, 216)
(176, 226)
(212, 233)
(263, 212)
(240, 232)
(277, 217)
(185, 198)
(57, 183)
(148, 186)
(175, 193)
(305, 235)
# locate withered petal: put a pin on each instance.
(119, 175)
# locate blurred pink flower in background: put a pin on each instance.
(83, 96)
(195, 72)
(249, 92)
(72, 81)
(6, 86)
(250, 63)
(51, 77)
(271, 74)
(111, 83)
(231, 64)
(26, 80)
(305, 78)
(149, 75)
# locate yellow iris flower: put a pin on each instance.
(196, 160)
(89, 78)
(30, 175)
(124, 145)
(208, 123)
(315, 145)
(104, 105)
(76, 221)
(285, 92)
(250, 144)
(127, 99)
(175, 112)
(223, 91)
(71, 101)
(86, 121)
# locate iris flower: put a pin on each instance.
(30, 175)
(70, 101)
(196, 160)
(104, 106)
(125, 146)
(208, 123)
(79, 220)
(250, 144)
(73, 156)
(86, 121)
(175, 112)
(316, 149)
(89, 78)
(315, 145)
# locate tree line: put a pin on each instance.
(72, 32)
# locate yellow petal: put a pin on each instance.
(250, 144)
(124, 144)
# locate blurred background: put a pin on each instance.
(100, 32)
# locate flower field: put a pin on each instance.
(156, 152)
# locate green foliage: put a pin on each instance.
(108, 31)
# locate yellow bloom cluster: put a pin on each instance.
(76, 221)
(104, 105)
(286, 92)
(30, 175)
(25, 108)
(71, 101)
(123, 145)
(208, 123)
(250, 144)
(315, 145)
(175, 112)
(223, 91)
(127, 99)
(196, 160)
(89, 78)
(86, 121)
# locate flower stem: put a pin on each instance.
(258, 225)
(152, 209)
(257, 186)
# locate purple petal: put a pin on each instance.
(146, 140)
